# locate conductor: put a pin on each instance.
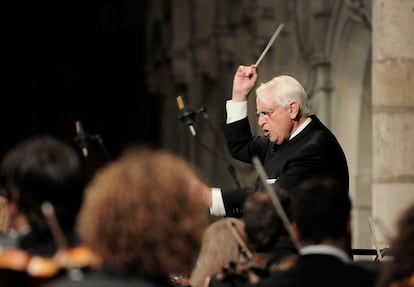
(295, 144)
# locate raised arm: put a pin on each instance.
(243, 83)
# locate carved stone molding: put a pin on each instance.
(360, 11)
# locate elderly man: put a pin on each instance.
(295, 146)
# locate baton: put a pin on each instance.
(269, 44)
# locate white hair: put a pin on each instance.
(284, 90)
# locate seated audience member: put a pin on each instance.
(267, 237)
(399, 272)
(143, 216)
(321, 214)
(219, 249)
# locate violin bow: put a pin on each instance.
(240, 241)
(49, 212)
(276, 202)
(75, 273)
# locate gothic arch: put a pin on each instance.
(349, 50)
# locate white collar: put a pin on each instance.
(326, 249)
(300, 128)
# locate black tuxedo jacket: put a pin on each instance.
(321, 270)
(314, 152)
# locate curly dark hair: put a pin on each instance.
(143, 215)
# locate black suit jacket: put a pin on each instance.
(321, 270)
(314, 152)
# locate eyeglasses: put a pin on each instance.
(266, 114)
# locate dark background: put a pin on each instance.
(77, 60)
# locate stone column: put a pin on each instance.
(392, 109)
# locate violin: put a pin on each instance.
(256, 265)
(78, 257)
(20, 268)
(260, 266)
(36, 266)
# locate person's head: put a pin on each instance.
(262, 223)
(40, 169)
(219, 248)
(142, 214)
(321, 212)
(281, 103)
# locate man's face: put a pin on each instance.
(275, 121)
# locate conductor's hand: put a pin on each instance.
(243, 83)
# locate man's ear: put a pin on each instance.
(294, 111)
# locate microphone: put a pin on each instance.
(186, 115)
(81, 138)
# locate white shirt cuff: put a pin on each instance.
(235, 111)
(217, 205)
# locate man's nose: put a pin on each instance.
(261, 120)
